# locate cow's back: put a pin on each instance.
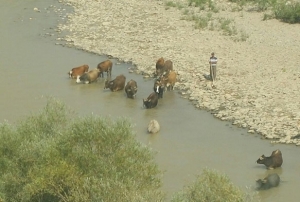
(93, 74)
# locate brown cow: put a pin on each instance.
(88, 77)
(273, 161)
(131, 88)
(169, 80)
(160, 66)
(78, 71)
(105, 66)
(151, 101)
(168, 66)
(117, 84)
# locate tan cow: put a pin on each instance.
(105, 66)
(78, 71)
(169, 80)
(88, 77)
(117, 84)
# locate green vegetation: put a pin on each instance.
(289, 13)
(284, 10)
(204, 18)
(212, 186)
(52, 157)
(56, 156)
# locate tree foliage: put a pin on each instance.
(53, 157)
(213, 186)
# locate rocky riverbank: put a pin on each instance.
(258, 79)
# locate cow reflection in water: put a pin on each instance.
(151, 101)
(272, 180)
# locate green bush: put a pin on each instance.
(54, 157)
(213, 186)
(288, 13)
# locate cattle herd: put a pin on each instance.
(165, 80)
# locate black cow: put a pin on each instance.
(273, 161)
(151, 101)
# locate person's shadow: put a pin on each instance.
(207, 77)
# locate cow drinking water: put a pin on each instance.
(131, 88)
(78, 71)
(273, 161)
(151, 101)
(117, 84)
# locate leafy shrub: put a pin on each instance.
(54, 157)
(213, 186)
(289, 13)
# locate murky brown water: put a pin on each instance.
(33, 67)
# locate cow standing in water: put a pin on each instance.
(131, 88)
(78, 71)
(88, 77)
(169, 80)
(117, 84)
(151, 101)
(158, 88)
(105, 66)
(273, 161)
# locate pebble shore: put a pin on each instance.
(258, 80)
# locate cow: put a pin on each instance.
(168, 80)
(105, 66)
(131, 88)
(88, 77)
(168, 66)
(160, 66)
(151, 101)
(78, 71)
(153, 126)
(272, 180)
(158, 88)
(117, 84)
(273, 161)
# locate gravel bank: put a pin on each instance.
(258, 79)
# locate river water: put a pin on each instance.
(33, 68)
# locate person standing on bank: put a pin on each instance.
(213, 67)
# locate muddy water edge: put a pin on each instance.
(34, 67)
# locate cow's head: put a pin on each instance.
(108, 84)
(261, 159)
